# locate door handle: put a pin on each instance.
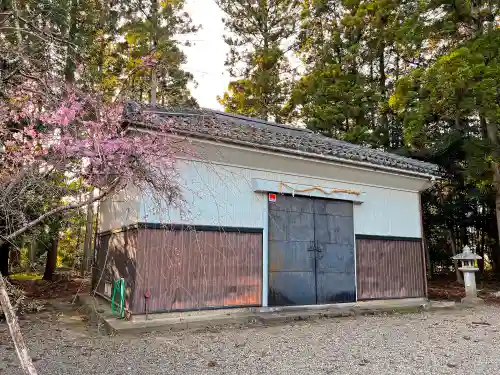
(312, 246)
(318, 247)
(315, 246)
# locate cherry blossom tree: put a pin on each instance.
(82, 141)
(59, 145)
(63, 145)
(55, 152)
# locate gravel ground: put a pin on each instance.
(449, 342)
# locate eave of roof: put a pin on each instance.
(256, 133)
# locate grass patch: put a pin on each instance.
(26, 276)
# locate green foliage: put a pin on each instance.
(26, 276)
(447, 106)
(92, 47)
(336, 103)
(419, 78)
(71, 240)
(353, 52)
(148, 30)
(258, 39)
(451, 96)
(104, 43)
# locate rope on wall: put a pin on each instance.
(319, 188)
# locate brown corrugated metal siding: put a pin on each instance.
(116, 258)
(198, 269)
(389, 268)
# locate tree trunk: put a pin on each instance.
(453, 244)
(15, 331)
(17, 24)
(492, 131)
(70, 64)
(428, 258)
(154, 26)
(51, 264)
(4, 258)
(32, 251)
(382, 86)
(88, 241)
(381, 68)
(102, 25)
(78, 247)
(15, 258)
(265, 104)
(480, 262)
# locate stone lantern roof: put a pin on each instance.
(466, 254)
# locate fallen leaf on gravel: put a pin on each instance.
(363, 362)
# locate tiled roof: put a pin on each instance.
(226, 127)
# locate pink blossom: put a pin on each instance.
(148, 61)
(85, 138)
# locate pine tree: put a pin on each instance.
(334, 96)
(259, 33)
(153, 27)
(451, 107)
(353, 52)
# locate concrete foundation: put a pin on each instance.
(100, 311)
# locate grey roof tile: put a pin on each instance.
(232, 128)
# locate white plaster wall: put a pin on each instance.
(120, 209)
(220, 194)
(214, 195)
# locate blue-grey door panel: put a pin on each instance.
(278, 225)
(335, 258)
(292, 288)
(290, 226)
(291, 256)
(334, 229)
(292, 260)
(335, 287)
(334, 238)
(296, 204)
(300, 226)
(311, 251)
(333, 207)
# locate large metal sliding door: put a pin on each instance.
(335, 265)
(292, 278)
(311, 251)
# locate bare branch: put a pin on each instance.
(15, 331)
(58, 210)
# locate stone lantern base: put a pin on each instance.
(467, 258)
(472, 301)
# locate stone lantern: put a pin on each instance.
(468, 258)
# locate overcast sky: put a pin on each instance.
(205, 59)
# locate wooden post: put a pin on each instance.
(15, 331)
